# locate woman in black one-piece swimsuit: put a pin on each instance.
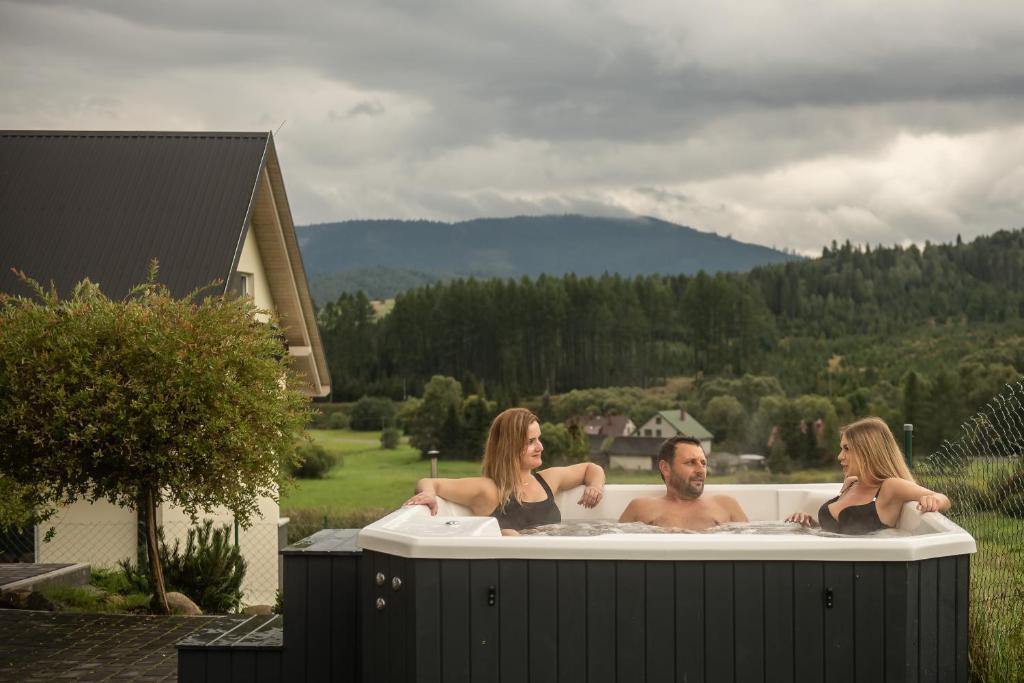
(510, 490)
(877, 485)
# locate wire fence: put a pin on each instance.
(982, 472)
(102, 535)
(259, 547)
(17, 545)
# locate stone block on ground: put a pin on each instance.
(257, 610)
(16, 599)
(181, 604)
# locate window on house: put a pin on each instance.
(245, 284)
(647, 432)
(657, 420)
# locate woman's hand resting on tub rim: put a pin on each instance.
(803, 519)
(424, 498)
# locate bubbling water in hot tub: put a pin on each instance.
(601, 527)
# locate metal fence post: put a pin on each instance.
(908, 445)
(433, 463)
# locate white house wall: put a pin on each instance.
(99, 534)
(630, 462)
(251, 261)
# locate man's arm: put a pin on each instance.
(732, 506)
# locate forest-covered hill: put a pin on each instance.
(384, 257)
(854, 320)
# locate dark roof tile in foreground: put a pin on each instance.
(102, 204)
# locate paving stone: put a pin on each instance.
(47, 646)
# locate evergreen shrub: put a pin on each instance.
(209, 571)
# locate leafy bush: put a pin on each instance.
(338, 421)
(314, 462)
(371, 413)
(390, 438)
(1013, 505)
(324, 415)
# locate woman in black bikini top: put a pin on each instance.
(873, 466)
(509, 489)
(853, 519)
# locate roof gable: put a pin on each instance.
(102, 205)
(685, 424)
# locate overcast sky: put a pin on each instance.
(787, 124)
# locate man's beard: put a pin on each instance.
(684, 488)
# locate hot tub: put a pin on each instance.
(447, 598)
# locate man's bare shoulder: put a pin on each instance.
(732, 506)
(638, 508)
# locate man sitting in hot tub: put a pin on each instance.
(684, 467)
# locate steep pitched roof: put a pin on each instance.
(607, 425)
(103, 204)
(684, 423)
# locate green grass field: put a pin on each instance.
(374, 480)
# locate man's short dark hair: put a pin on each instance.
(668, 449)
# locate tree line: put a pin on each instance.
(508, 339)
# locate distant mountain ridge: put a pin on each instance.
(393, 255)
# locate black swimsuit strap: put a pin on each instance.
(544, 484)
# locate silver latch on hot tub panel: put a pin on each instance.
(452, 522)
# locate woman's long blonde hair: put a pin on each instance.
(875, 448)
(502, 457)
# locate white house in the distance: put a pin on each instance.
(208, 206)
(668, 423)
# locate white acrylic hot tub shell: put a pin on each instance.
(454, 533)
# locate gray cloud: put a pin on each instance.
(777, 123)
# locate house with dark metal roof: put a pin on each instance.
(603, 425)
(209, 207)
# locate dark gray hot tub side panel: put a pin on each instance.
(574, 620)
(565, 620)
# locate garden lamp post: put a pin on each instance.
(433, 463)
(908, 444)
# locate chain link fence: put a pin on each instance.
(99, 535)
(17, 545)
(102, 535)
(982, 472)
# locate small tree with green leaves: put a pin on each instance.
(146, 400)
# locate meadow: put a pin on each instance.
(372, 481)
